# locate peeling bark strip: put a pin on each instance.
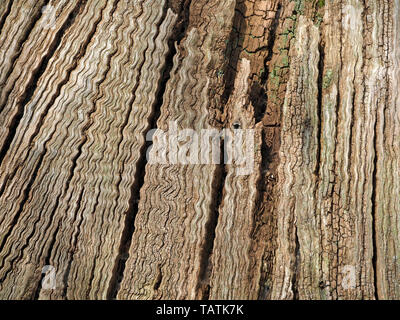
(83, 215)
(332, 212)
(387, 144)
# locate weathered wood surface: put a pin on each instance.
(85, 209)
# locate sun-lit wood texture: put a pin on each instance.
(86, 214)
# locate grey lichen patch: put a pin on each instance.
(327, 80)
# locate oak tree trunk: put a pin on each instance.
(85, 215)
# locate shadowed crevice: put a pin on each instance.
(4, 17)
(216, 203)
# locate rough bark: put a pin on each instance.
(83, 83)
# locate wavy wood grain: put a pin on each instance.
(17, 17)
(84, 82)
(166, 258)
(75, 115)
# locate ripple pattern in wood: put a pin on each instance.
(88, 211)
